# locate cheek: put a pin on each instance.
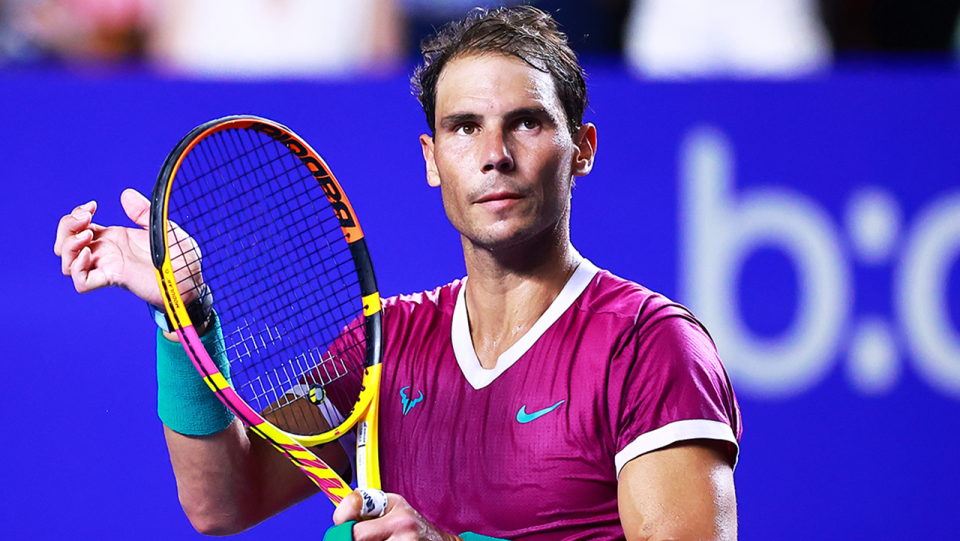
(452, 198)
(556, 186)
(555, 171)
(452, 161)
(453, 148)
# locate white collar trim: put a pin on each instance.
(466, 355)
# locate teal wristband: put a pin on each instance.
(342, 532)
(470, 536)
(184, 401)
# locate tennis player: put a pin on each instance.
(539, 397)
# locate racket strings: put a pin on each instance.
(299, 369)
(191, 253)
(330, 226)
(250, 218)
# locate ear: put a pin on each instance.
(433, 177)
(586, 149)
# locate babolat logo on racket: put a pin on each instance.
(316, 167)
(362, 434)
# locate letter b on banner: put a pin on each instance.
(720, 230)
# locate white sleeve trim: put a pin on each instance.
(689, 429)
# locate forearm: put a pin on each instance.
(228, 481)
(213, 481)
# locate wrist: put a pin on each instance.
(185, 402)
(202, 330)
(199, 311)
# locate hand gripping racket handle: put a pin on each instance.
(374, 505)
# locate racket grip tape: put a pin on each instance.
(374, 502)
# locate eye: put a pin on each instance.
(466, 129)
(529, 124)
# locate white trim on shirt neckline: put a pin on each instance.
(478, 376)
(687, 429)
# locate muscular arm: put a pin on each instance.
(227, 481)
(231, 480)
(684, 491)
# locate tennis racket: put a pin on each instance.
(244, 211)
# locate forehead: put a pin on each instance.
(489, 82)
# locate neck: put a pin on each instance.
(510, 289)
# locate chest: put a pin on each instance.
(539, 434)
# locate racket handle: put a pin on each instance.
(343, 532)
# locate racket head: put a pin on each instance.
(245, 210)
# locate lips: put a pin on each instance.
(498, 196)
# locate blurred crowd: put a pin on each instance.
(331, 38)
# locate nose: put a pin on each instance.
(496, 154)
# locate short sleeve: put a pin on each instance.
(674, 387)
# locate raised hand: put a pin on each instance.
(97, 256)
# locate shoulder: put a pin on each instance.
(666, 376)
(638, 308)
(419, 314)
(441, 299)
(658, 335)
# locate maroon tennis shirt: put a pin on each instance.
(532, 448)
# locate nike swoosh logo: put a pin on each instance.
(523, 417)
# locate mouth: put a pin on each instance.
(501, 196)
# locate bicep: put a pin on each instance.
(683, 491)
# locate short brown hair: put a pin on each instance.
(522, 31)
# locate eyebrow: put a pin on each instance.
(456, 119)
(539, 112)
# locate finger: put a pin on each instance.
(136, 206)
(349, 508)
(398, 522)
(73, 223)
(70, 249)
(361, 504)
(86, 277)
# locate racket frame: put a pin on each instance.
(364, 414)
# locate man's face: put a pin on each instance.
(502, 153)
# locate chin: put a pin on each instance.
(501, 238)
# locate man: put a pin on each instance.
(559, 400)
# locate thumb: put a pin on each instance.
(136, 206)
(360, 504)
(349, 508)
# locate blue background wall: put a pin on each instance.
(836, 445)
